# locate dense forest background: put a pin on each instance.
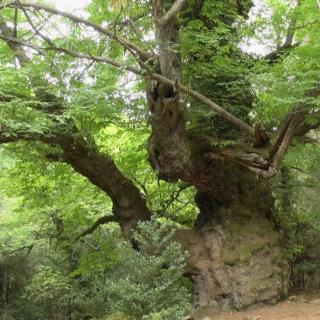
(88, 228)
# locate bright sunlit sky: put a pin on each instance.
(75, 6)
(70, 5)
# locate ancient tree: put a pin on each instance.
(235, 248)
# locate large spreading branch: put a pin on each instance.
(129, 207)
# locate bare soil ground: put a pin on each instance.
(296, 308)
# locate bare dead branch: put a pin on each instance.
(207, 102)
(250, 160)
(294, 123)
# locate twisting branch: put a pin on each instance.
(21, 43)
(172, 12)
(99, 222)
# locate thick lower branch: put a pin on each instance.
(129, 207)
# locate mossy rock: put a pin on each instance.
(243, 253)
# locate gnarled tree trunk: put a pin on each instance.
(235, 251)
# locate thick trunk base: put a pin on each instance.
(235, 260)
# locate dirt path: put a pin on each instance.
(303, 309)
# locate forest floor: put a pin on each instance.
(296, 308)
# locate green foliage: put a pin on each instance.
(287, 81)
(214, 65)
(298, 214)
(108, 277)
(149, 282)
(94, 262)
(50, 288)
(145, 284)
